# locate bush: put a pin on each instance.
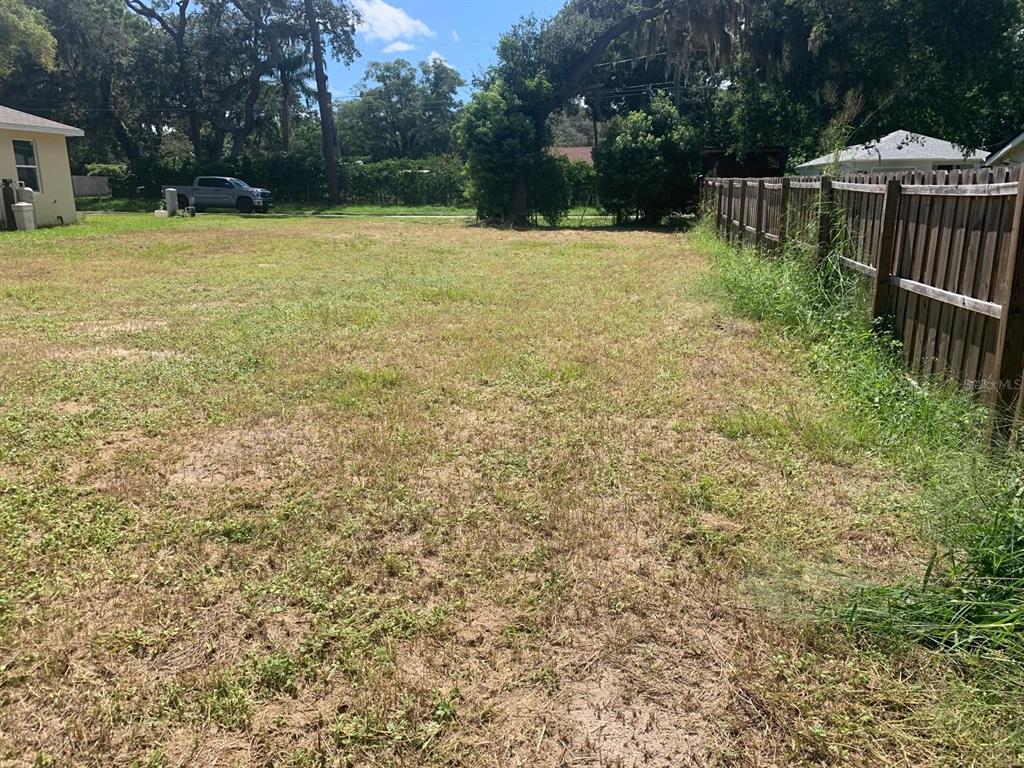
(582, 179)
(299, 177)
(507, 164)
(110, 170)
(439, 180)
(550, 189)
(647, 163)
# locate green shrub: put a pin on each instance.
(551, 192)
(502, 133)
(439, 180)
(111, 170)
(582, 179)
(647, 163)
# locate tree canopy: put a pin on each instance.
(401, 110)
(23, 35)
(133, 73)
(216, 81)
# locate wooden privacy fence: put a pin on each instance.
(943, 251)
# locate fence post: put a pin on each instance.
(718, 205)
(728, 213)
(759, 214)
(1009, 347)
(783, 212)
(825, 218)
(743, 211)
(886, 249)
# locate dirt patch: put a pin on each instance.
(254, 458)
(186, 747)
(618, 726)
(73, 407)
(88, 354)
(485, 623)
(97, 468)
(103, 329)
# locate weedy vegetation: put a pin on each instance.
(964, 494)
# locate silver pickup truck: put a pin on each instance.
(223, 192)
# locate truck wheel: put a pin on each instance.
(245, 205)
(182, 202)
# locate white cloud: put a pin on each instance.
(455, 36)
(435, 56)
(386, 22)
(399, 46)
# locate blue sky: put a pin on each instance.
(463, 32)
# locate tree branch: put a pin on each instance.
(570, 83)
(149, 12)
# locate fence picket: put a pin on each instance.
(824, 218)
(759, 215)
(783, 213)
(884, 255)
(1010, 330)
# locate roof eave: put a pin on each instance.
(66, 130)
(1002, 152)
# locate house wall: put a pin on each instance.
(55, 203)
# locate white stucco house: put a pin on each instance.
(34, 150)
(898, 151)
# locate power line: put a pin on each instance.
(627, 61)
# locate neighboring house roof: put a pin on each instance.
(13, 120)
(1001, 154)
(900, 146)
(586, 154)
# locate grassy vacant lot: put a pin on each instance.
(350, 492)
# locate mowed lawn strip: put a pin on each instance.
(404, 493)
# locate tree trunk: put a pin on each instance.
(214, 149)
(323, 97)
(286, 112)
(520, 195)
(129, 146)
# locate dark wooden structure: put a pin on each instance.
(762, 162)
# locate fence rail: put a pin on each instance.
(943, 251)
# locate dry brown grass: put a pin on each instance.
(357, 493)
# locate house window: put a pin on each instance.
(26, 164)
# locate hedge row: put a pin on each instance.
(439, 180)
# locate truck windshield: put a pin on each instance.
(239, 183)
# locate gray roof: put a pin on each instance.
(903, 146)
(13, 120)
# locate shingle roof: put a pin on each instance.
(898, 145)
(12, 119)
